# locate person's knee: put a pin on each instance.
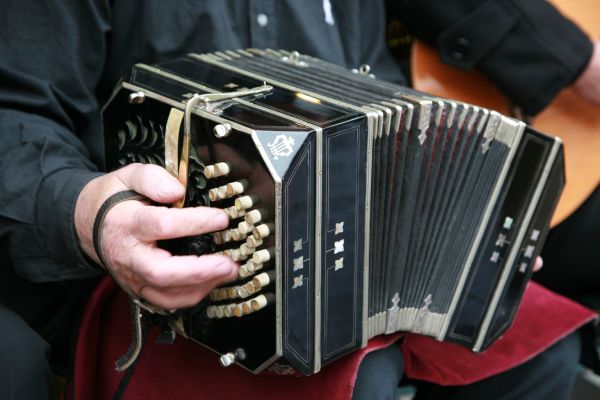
(552, 373)
(549, 375)
(379, 374)
(563, 357)
(25, 357)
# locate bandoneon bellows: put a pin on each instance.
(358, 207)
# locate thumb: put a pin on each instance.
(152, 181)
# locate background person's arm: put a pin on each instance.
(526, 47)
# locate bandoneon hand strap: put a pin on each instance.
(140, 309)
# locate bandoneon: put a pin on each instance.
(358, 207)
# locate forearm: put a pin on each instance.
(43, 169)
(51, 58)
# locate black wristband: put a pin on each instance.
(97, 237)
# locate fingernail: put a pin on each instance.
(224, 268)
(220, 217)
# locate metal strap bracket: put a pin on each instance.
(211, 101)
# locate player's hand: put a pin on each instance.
(539, 263)
(131, 229)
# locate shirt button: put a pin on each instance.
(461, 48)
(262, 20)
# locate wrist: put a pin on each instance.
(89, 201)
(55, 211)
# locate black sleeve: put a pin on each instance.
(51, 57)
(526, 47)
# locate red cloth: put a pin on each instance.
(544, 318)
(186, 370)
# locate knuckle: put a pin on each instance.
(128, 172)
(138, 218)
(136, 167)
(146, 173)
(154, 277)
(165, 225)
(151, 177)
(148, 272)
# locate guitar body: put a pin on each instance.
(570, 117)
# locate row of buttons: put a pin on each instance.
(501, 241)
(529, 250)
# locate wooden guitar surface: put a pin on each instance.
(570, 117)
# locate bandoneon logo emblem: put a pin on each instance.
(282, 146)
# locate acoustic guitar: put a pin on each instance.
(570, 117)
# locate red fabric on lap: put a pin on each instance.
(543, 319)
(186, 370)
